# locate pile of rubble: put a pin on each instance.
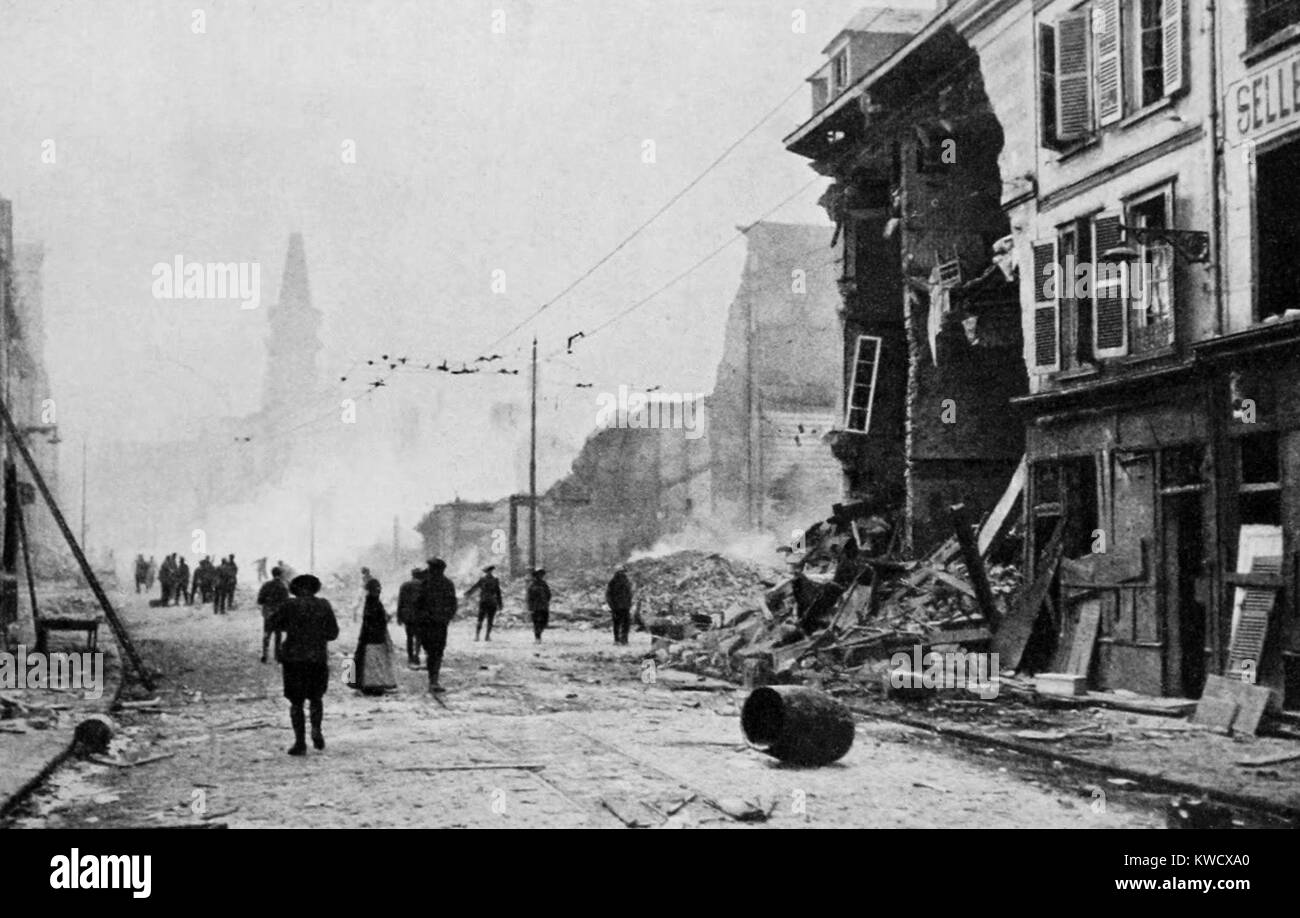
(843, 610)
(676, 595)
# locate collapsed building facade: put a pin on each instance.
(931, 330)
(1148, 230)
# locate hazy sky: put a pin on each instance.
(520, 151)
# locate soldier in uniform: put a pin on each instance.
(408, 603)
(618, 596)
(436, 610)
(539, 603)
(489, 600)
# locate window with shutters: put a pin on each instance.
(1151, 313)
(1073, 246)
(1047, 84)
(1105, 60)
(862, 384)
(1109, 290)
(1047, 283)
(1153, 39)
(1266, 18)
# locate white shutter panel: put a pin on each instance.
(1073, 81)
(1108, 69)
(1110, 304)
(1047, 283)
(1173, 46)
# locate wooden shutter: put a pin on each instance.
(1173, 46)
(1047, 282)
(1047, 83)
(862, 387)
(1110, 303)
(1073, 82)
(1108, 69)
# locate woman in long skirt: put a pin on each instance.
(373, 662)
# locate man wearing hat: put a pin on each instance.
(408, 601)
(309, 625)
(618, 596)
(539, 603)
(270, 597)
(436, 609)
(489, 599)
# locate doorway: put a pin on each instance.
(1185, 594)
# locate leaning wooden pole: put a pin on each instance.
(27, 556)
(119, 630)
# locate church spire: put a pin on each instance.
(293, 344)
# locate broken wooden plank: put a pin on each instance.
(1085, 638)
(1251, 700)
(1013, 634)
(955, 582)
(1002, 515)
(979, 578)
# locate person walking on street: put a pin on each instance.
(436, 610)
(231, 583)
(141, 572)
(618, 596)
(150, 574)
(372, 664)
(182, 582)
(408, 602)
(167, 579)
(225, 592)
(273, 594)
(539, 603)
(489, 599)
(309, 625)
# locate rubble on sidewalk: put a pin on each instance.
(838, 615)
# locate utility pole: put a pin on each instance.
(532, 472)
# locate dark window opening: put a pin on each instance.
(1182, 466)
(1066, 490)
(1263, 508)
(1277, 230)
(1047, 83)
(1074, 244)
(1151, 313)
(1259, 459)
(1152, 51)
(1266, 18)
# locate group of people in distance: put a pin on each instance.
(426, 605)
(214, 583)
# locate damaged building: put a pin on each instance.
(931, 329)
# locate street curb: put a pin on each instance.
(15, 799)
(1147, 780)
